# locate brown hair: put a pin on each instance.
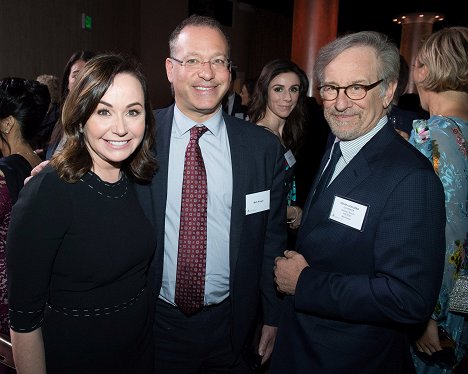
(294, 127)
(74, 160)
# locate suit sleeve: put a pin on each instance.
(408, 251)
(275, 240)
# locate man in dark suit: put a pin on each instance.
(246, 213)
(370, 251)
(232, 101)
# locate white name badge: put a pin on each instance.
(290, 159)
(348, 212)
(257, 202)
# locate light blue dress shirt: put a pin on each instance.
(214, 145)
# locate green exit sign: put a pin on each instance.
(86, 22)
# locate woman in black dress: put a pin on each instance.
(77, 281)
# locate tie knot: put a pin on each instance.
(197, 131)
(336, 150)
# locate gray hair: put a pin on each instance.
(386, 52)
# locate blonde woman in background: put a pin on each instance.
(441, 77)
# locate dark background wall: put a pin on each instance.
(38, 36)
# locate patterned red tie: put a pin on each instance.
(191, 259)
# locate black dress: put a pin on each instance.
(77, 258)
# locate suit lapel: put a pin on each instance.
(239, 187)
(349, 178)
(316, 181)
(164, 120)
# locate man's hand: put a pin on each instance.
(287, 270)
(37, 170)
(267, 341)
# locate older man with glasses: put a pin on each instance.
(369, 255)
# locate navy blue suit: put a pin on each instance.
(255, 239)
(364, 288)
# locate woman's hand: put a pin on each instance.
(294, 216)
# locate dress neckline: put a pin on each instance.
(109, 190)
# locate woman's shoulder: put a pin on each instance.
(15, 169)
(446, 123)
(46, 182)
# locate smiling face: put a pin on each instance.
(283, 93)
(350, 119)
(116, 127)
(198, 93)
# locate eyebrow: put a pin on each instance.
(128, 106)
(283, 85)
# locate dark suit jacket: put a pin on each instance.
(364, 288)
(255, 239)
(237, 107)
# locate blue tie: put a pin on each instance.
(328, 172)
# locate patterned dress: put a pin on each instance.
(446, 147)
(5, 210)
(15, 169)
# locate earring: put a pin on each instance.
(81, 128)
(6, 129)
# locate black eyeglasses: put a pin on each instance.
(353, 91)
(218, 64)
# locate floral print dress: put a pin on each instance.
(445, 145)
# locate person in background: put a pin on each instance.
(401, 119)
(368, 260)
(441, 78)
(75, 63)
(53, 84)
(245, 216)
(278, 105)
(23, 105)
(247, 90)
(232, 102)
(79, 244)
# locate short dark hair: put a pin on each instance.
(74, 160)
(200, 21)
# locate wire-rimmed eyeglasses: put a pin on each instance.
(353, 91)
(218, 64)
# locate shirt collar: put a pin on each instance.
(350, 148)
(183, 124)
